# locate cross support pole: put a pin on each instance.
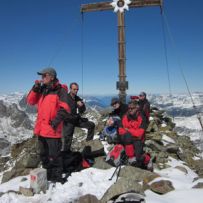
(122, 84)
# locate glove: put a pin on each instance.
(37, 86)
(122, 131)
(53, 124)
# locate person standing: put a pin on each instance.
(52, 107)
(77, 107)
(144, 105)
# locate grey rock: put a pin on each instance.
(172, 148)
(28, 192)
(3, 109)
(136, 174)
(198, 185)
(88, 199)
(28, 108)
(4, 147)
(154, 145)
(101, 163)
(121, 186)
(18, 117)
(162, 187)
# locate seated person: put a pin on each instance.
(132, 135)
(110, 130)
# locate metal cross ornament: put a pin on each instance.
(120, 5)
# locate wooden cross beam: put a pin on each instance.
(122, 84)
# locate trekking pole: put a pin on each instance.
(117, 167)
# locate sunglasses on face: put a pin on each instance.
(114, 104)
(45, 75)
(131, 108)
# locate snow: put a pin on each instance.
(88, 181)
(180, 196)
(96, 182)
(9, 133)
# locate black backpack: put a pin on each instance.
(128, 197)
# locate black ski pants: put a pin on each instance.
(68, 131)
(50, 152)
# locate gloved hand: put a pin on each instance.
(53, 124)
(122, 131)
(37, 86)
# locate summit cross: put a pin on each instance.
(122, 84)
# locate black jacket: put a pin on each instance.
(121, 111)
(72, 102)
(145, 107)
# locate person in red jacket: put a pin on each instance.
(51, 100)
(132, 134)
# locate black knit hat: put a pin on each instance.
(114, 100)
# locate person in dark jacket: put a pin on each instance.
(132, 134)
(51, 100)
(119, 108)
(110, 130)
(77, 107)
(144, 105)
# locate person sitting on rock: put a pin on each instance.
(132, 135)
(110, 130)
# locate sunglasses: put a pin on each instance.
(45, 75)
(114, 104)
(131, 108)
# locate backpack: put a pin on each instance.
(116, 156)
(128, 197)
(110, 133)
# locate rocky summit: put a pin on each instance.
(163, 143)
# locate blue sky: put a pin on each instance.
(38, 33)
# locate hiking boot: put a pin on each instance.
(56, 175)
(49, 174)
(132, 161)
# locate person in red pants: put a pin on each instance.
(132, 135)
